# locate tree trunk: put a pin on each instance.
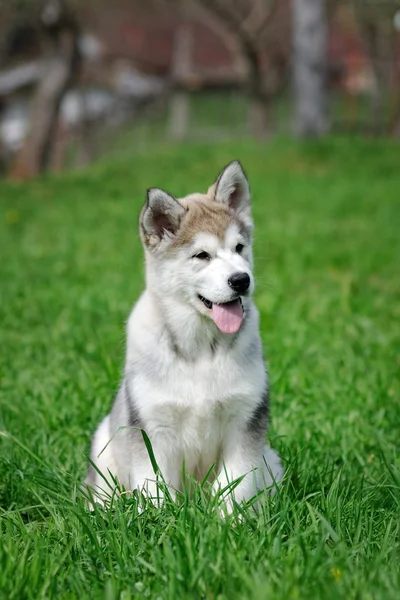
(259, 118)
(309, 67)
(179, 105)
(34, 156)
(394, 122)
(259, 100)
(379, 41)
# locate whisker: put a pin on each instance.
(265, 286)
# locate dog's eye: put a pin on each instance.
(239, 248)
(202, 256)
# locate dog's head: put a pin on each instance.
(199, 247)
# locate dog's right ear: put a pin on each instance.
(160, 217)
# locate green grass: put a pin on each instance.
(327, 253)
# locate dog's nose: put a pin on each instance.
(239, 282)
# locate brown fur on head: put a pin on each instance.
(202, 215)
(176, 221)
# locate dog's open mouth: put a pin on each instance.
(228, 316)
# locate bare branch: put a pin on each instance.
(267, 19)
(261, 14)
(224, 12)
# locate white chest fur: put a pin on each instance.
(189, 408)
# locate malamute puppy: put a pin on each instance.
(194, 375)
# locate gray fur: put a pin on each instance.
(258, 423)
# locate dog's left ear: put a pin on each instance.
(232, 189)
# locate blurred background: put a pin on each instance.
(80, 79)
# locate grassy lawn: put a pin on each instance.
(327, 254)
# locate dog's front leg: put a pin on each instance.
(246, 469)
(151, 483)
(148, 482)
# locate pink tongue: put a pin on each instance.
(228, 317)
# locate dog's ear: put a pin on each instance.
(160, 217)
(232, 189)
